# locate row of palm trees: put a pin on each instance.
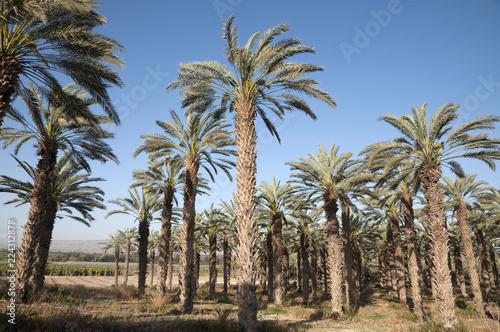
(259, 78)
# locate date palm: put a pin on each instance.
(130, 237)
(143, 208)
(431, 144)
(70, 191)
(320, 176)
(154, 243)
(164, 177)
(116, 243)
(228, 229)
(259, 80)
(274, 199)
(461, 194)
(204, 143)
(39, 39)
(63, 124)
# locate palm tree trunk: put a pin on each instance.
(494, 267)
(39, 204)
(429, 267)
(334, 252)
(170, 272)
(299, 268)
(304, 244)
(166, 231)
(212, 239)
(246, 233)
(196, 272)
(430, 175)
(143, 255)
(270, 268)
(485, 263)
(117, 265)
(226, 261)
(469, 256)
(325, 269)
(277, 247)
(393, 278)
(127, 261)
(350, 286)
(459, 271)
(186, 262)
(286, 269)
(413, 266)
(263, 272)
(42, 249)
(398, 258)
(314, 271)
(9, 73)
(151, 265)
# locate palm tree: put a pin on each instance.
(163, 177)
(41, 38)
(154, 243)
(116, 243)
(461, 193)
(228, 228)
(203, 143)
(320, 176)
(143, 208)
(210, 222)
(130, 237)
(69, 192)
(432, 144)
(60, 125)
(261, 79)
(274, 199)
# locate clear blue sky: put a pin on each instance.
(379, 57)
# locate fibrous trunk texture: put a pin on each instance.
(166, 231)
(469, 256)
(304, 245)
(196, 273)
(286, 268)
(277, 247)
(334, 252)
(226, 261)
(246, 231)
(10, 70)
(143, 255)
(43, 247)
(212, 239)
(494, 268)
(485, 263)
(39, 204)
(299, 268)
(270, 268)
(350, 283)
(393, 278)
(151, 265)
(459, 270)
(170, 273)
(263, 271)
(429, 176)
(398, 259)
(314, 270)
(117, 265)
(325, 269)
(413, 266)
(127, 261)
(186, 262)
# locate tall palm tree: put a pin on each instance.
(431, 144)
(274, 199)
(165, 177)
(70, 191)
(130, 237)
(320, 177)
(41, 38)
(116, 243)
(143, 208)
(461, 193)
(154, 243)
(204, 143)
(260, 79)
(63, 124)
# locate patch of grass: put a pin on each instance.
(432, 326)
(273, 311)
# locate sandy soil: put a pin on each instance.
(99, 282)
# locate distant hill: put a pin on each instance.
(84, 246)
